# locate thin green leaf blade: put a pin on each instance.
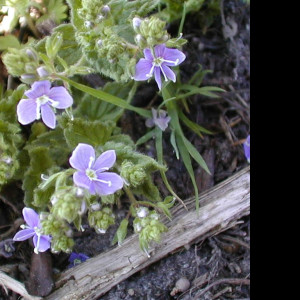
(107, 97)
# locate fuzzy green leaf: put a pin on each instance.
(40, 163)
(94, 133)
(9, 41)
(55, 141)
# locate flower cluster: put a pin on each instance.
(92, 173)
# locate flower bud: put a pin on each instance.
(88, 24)
(42, 71)
(136, 22)
(31, 54)
(28, 78)
(99, 43)
(95, 206)
(142, 212)
(79, 192)
(105, 9)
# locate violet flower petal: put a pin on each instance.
(149, 123)
(38, 89)
(92, 188)
(24, 234)
(82, 156)
(61, 95)
(105, 161)
(162, 123)
(116, 183)
(48, 116)
(173, 55)
(26, 111)
(159, 50)
(82, 180)
(157, 76)
(31, 218)
(44, 243)
(148, 55)
(142, 69)
(247, 148)
(169, 73)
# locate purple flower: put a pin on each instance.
(158, 63)
(247, 148)
(159, 119)
(76, 259)
(33, 229)
(41, 101)
(91, 172)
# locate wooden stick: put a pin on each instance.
(220, 208)
(9, 283)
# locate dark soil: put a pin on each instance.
(218, 267)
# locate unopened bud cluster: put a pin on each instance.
(148, 226)
(150, 31)
(22, 62)
(133, 174)
(60, 232)
(68, 203)
(100, 220)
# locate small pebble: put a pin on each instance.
(181, 285)
(130, 292)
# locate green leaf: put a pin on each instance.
(69, 51)
(192, 125)
(9, 41)
(188, 165)
(205, 91)
(96, 109)
(75, 5)
(55, 141)
(197, 78)
(121, 233)
(40, 162)
(159, 153)
(173, 143)
(166, 205)
(107, 97)
(55, 10)
(145, 138)
(195, 154)
(94, 133)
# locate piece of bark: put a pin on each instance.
(40, 281)
(220, 208)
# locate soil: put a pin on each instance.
(218, 267)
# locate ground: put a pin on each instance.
(218, 267)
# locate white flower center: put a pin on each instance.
(42, 101)
(157, 62)
(91, 174)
